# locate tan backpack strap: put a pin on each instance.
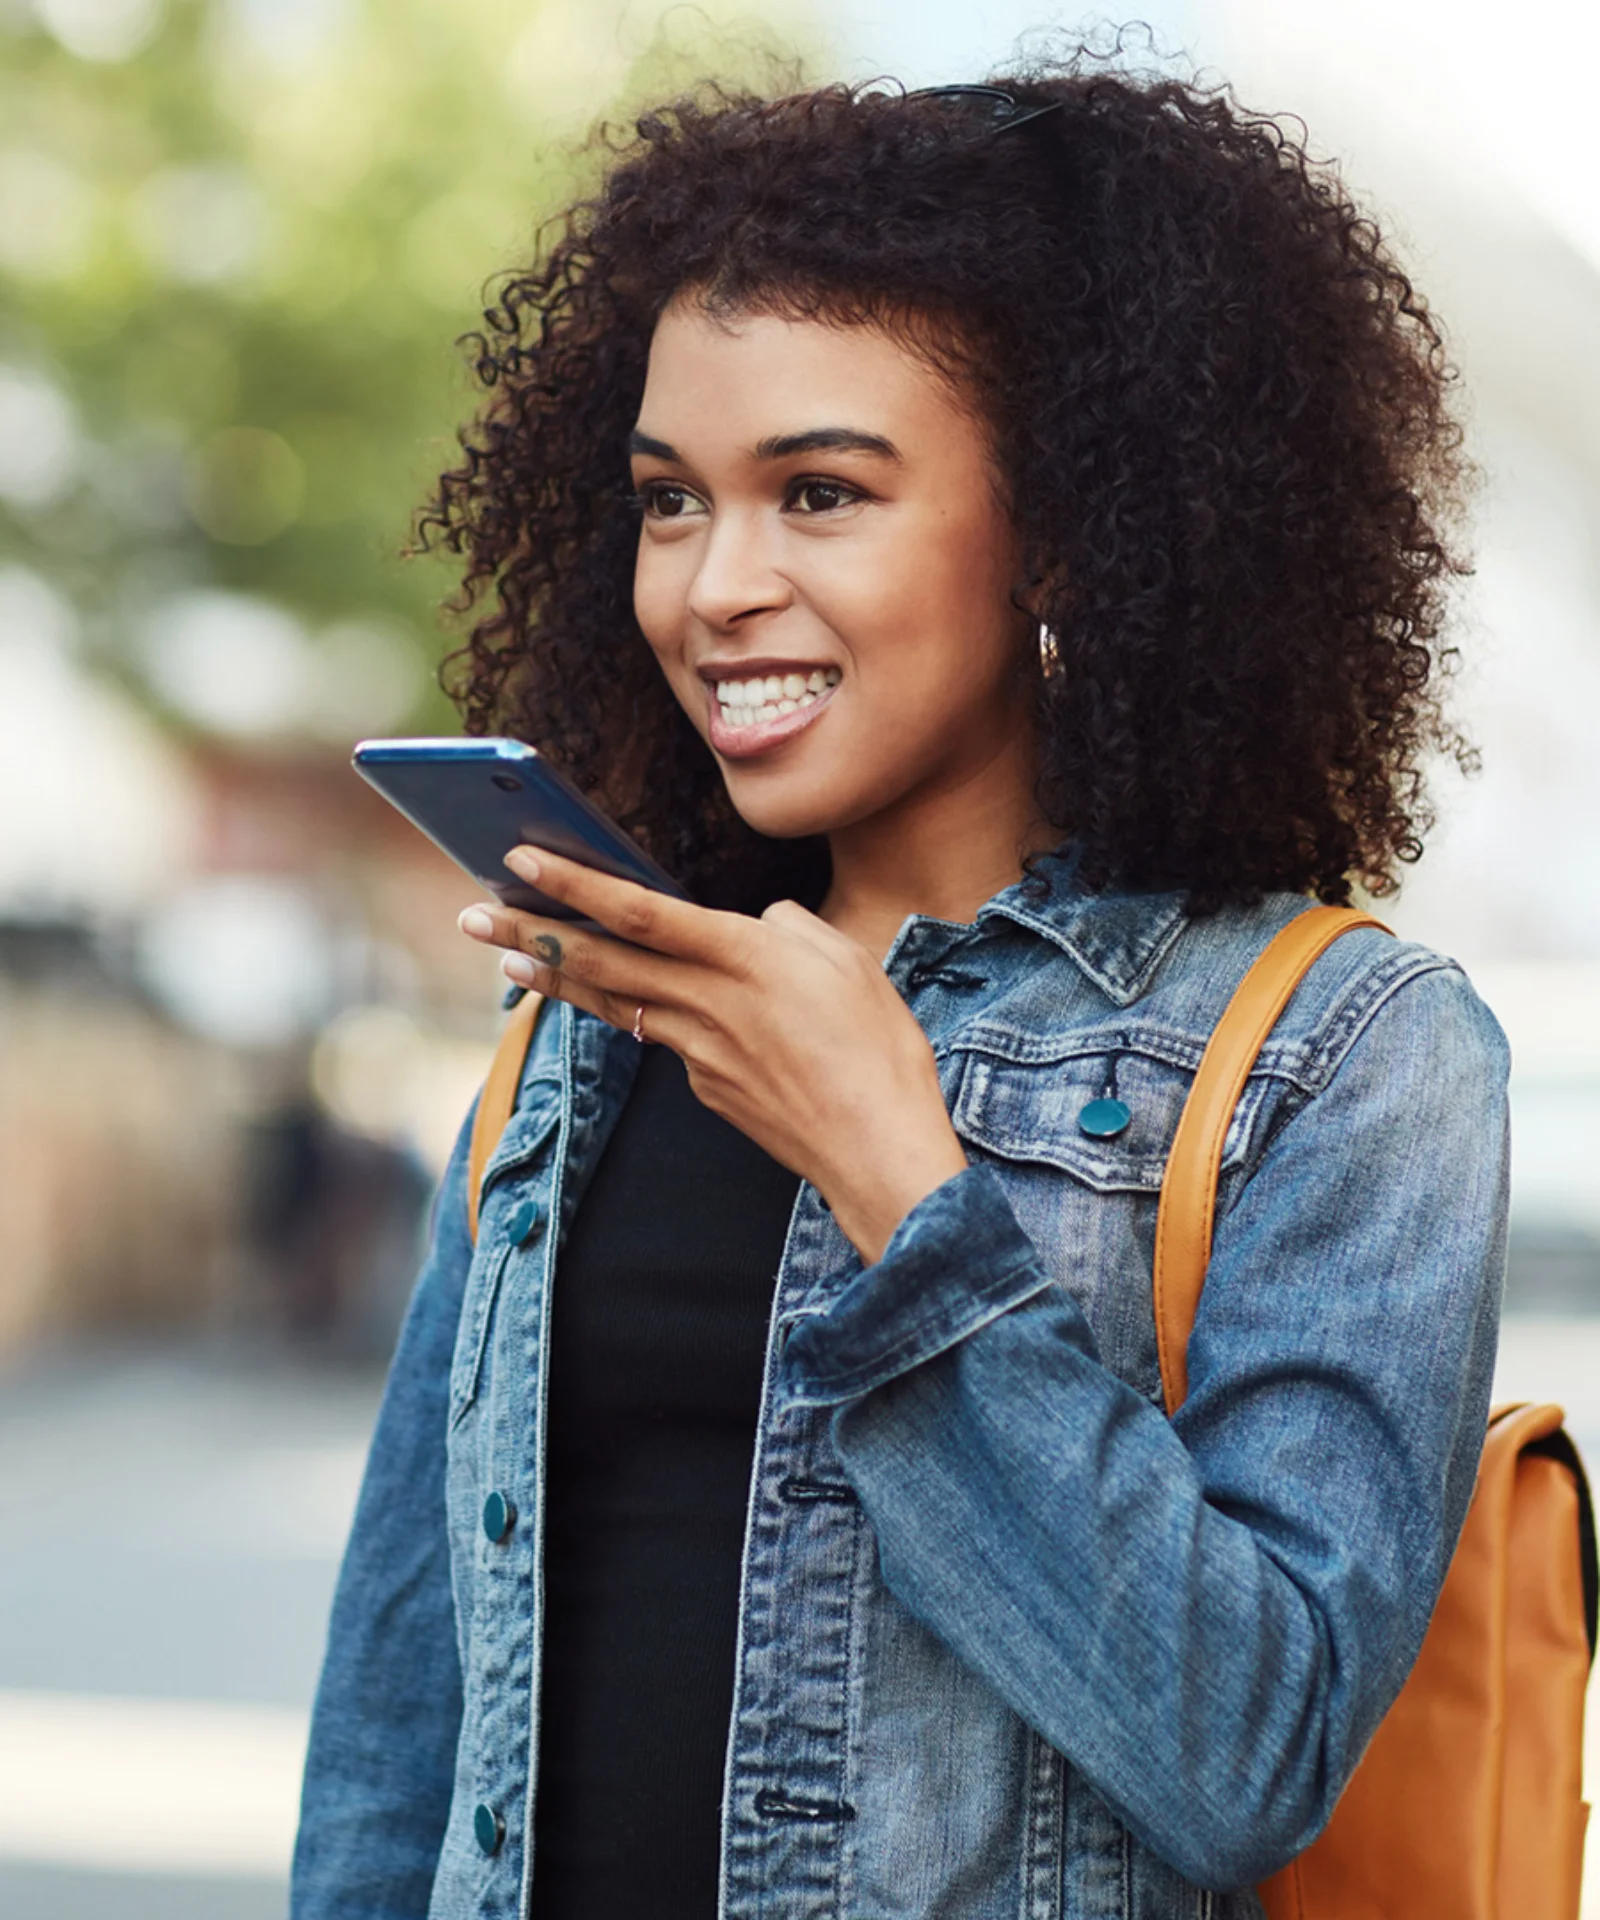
(499, 1097)
(1189, 1188)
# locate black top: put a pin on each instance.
(657, 1343)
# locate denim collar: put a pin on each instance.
(1118, 939)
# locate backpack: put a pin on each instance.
(1467, 1804)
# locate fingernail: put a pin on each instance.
(527, 862)
(518, 967)
(476, 922)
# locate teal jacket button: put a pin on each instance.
(523, 1221)
(489, 1827)
(499, 1517)
(1104, 1119)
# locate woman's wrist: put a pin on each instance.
(869, 1201)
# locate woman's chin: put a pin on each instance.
(799, 792)
(787, 823)
(793, 815)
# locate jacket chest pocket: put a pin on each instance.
(1087, 1196)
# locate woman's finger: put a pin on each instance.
(662, 1025)
(638, 914)
(552, 985)
(585, 958)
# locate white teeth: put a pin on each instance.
(749, 703)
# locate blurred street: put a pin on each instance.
(170, 1526)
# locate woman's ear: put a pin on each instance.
(1026, 595)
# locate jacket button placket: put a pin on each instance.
(788, 1809)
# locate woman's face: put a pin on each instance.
(825, 569)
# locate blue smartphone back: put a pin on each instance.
(477, 799)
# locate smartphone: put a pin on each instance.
(477, 799)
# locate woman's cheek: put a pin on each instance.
(653, 607)
(648, 598)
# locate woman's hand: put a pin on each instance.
(789, 1029)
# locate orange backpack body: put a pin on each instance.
(1468, 1803)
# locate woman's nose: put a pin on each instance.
(737, 574)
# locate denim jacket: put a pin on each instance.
(1013, 1645)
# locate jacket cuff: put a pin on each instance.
(957, 1261)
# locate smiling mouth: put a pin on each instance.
(759, 711)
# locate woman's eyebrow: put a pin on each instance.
(782, 446)
(642, 444)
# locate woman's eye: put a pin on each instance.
(821, 496)
(662, 500)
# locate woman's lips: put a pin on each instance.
(743, 743)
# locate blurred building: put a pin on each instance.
(237, 1027)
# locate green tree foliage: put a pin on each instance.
(238, 239)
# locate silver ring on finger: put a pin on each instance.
(638, 1024)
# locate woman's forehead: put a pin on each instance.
(750, 377)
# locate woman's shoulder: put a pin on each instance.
(1136, 972)
(1370, 988)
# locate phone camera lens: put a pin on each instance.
(506, 782)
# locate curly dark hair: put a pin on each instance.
(1219, 409)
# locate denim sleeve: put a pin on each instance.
(1209, 1616)
(381, 1763)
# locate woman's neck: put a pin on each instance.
(942, 855)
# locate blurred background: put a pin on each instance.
(238, 239)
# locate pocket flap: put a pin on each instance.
(1029, 1111)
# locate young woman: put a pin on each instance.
(1025, 596)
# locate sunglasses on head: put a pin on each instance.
(990, 108)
